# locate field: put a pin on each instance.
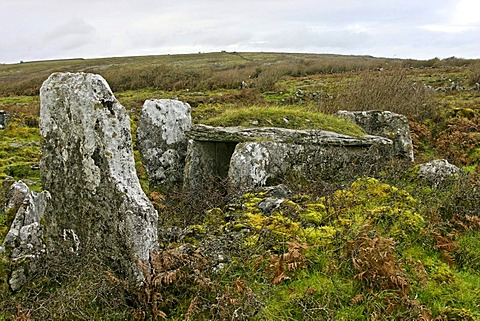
(386, 246)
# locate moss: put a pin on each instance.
(314, 213)
(214, 218)
(369, 202)
(319, 235)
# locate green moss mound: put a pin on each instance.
(284, 117)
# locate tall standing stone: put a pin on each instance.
(96, 203)
(161, 140)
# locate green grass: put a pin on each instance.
(284, 117)
(19, 151)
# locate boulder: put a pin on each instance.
(23, 242)
(161, 140)
(96, 202)
(437, 171)
(250, 157)
(3, 119)
(275, 196)
(386, 124)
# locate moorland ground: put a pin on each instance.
(385, 246)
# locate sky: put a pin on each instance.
(58, 29)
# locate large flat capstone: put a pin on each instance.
(96, 202)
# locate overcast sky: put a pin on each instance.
(420, 29)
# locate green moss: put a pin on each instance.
(369, 202)
(285, 117)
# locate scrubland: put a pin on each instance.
(385, 245)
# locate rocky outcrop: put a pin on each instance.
(23, 242)
(3, 119)
(251, 157)
(386, 124)
(96, 202)
(161, 140)
(437, 171)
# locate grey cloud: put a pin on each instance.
(33, 29)
(70, 35)
(72, 28)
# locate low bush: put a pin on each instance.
(390, 90)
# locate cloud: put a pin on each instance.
(33, 29)
(74, 27)
(70, 35)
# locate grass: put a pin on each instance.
(20, 153)
(284, 117)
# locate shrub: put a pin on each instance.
(474, 76)
(387, 90)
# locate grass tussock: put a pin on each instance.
(284, 117)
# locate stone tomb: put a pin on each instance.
(250, 157)
(173, 150)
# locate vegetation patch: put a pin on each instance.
(284, 117)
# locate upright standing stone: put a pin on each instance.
(384, 123)
(161, 140)
(97, 203)
(24, 240)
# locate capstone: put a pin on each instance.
(96, 202)
(161, 140)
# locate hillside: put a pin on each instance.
(384, 246)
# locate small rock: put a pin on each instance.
(438, 171)
(275, 197)
(3, 119)
(25, 236)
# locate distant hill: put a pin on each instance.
(165, 71)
